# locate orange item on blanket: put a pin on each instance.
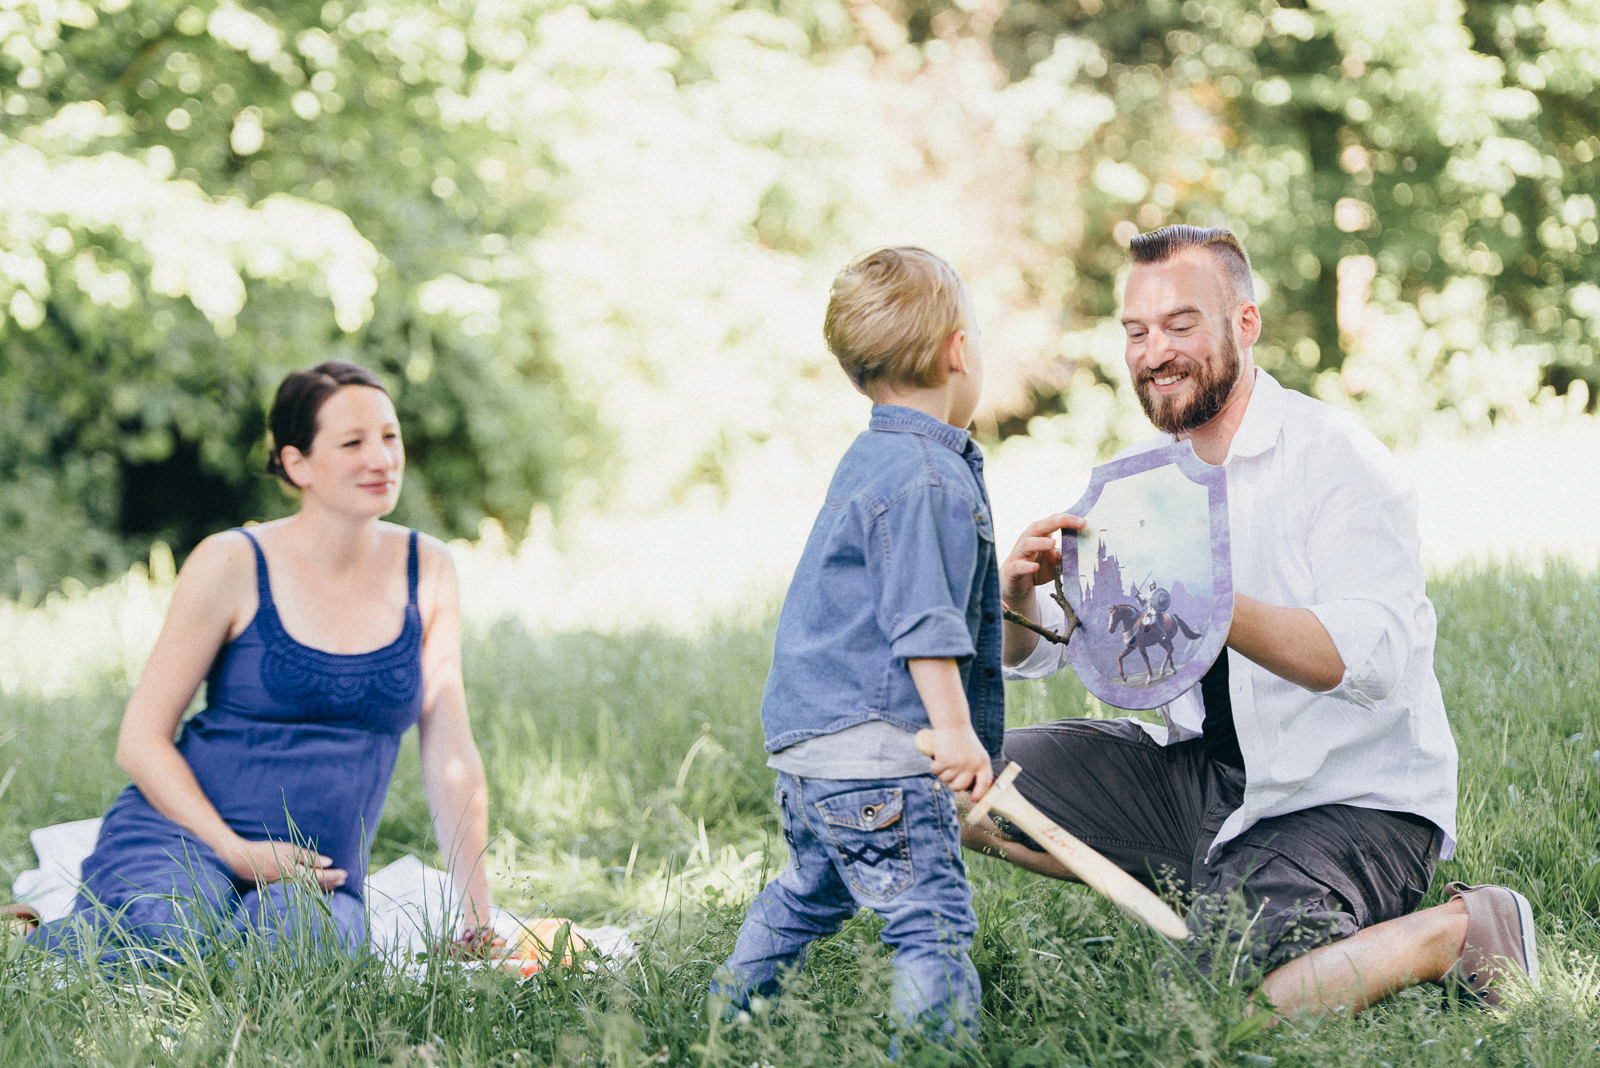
(533, 950)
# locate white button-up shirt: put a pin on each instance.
(1321, 517)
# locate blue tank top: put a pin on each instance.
(298, 744)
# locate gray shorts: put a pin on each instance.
(1305, 879)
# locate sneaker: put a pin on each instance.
(1500, 942)
(18, 920)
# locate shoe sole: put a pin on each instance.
(1530, 950)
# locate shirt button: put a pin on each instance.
(988, 617)
(990, 673)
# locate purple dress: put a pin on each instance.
(294, 744)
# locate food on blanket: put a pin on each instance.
(479, 943)
(538, 944)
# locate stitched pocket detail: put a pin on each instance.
(868, 830)
(788, 828)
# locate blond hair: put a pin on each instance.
(889, 315)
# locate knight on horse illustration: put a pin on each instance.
(1150, 623)
(1154, 606)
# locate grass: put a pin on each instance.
(628, 785)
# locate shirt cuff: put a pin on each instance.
(1358, 632)
(1048, 657)
(934, 634)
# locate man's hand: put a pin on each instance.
(270, 862)
(1034, 561)
(961, 761)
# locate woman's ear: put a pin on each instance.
(296, 466)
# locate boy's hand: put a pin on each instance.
(961, 761)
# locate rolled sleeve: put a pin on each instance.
(927, 547)
(1363, 633)
(932, 634)
(1366, 565)
(1047, 657)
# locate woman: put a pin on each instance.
(321, 638)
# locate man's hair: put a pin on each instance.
(1159, 246)
(889, 314)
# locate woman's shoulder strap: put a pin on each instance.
(411, 569)
(263, 584)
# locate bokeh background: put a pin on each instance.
(588, 247)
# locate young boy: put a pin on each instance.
(891, 625)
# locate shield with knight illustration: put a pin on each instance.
(1149, 576)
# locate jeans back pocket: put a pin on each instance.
(867, 828)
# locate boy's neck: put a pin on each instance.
(937, 401)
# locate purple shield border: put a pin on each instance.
(1215, 480)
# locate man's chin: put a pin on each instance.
(1168, 413)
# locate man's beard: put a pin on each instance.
(1213, 378)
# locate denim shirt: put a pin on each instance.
(900, 564)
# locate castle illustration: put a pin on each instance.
(1106, 585)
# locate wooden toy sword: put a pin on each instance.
(1095, 871)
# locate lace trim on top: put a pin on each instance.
(355, 689)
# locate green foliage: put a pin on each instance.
(1433, 161)
(156, 152)
(585, 738)
(588, 244)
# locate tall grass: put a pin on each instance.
(628, 785)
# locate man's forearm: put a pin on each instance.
(1018, 643)
(983, 839)
(1291, 643)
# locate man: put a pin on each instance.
(1313, 768)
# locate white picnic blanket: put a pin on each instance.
(407, 901)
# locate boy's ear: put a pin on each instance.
(955, 353)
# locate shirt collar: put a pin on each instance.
(898, 419)
(1263, 418)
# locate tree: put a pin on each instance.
(1413, 181)
(201, 198)
(589, 246)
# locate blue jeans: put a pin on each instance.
(890, 845)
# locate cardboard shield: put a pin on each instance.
(1150, 576)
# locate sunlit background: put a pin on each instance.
(588, 247)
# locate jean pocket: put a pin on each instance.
(868, 829)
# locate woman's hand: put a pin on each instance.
(268, 862)
(478, 942)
